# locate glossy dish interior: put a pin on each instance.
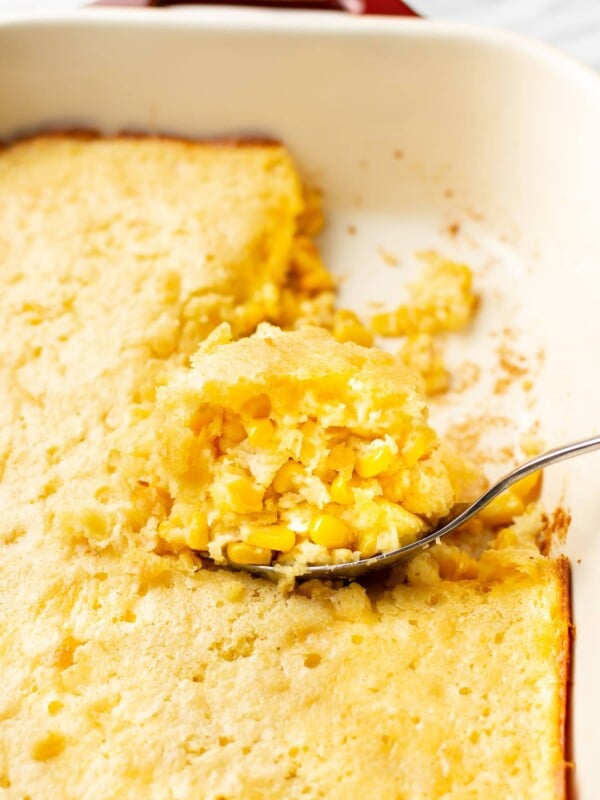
(411, 128)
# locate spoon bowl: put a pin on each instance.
(355, 569)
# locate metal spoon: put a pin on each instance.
(355, 569)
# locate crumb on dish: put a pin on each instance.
(421, 352)
(441, 300)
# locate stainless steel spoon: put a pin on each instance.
(355, 569)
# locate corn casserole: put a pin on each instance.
(131, 666)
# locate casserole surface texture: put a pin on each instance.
(128, 668)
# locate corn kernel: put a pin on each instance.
(260, 432)
(330, 532)
(308, 268)
(455, 565)
(287, 477)
(377, 459)
(197, 537)
(506, 537)
(174, 521)
(417, 445)
(311, 222)
(49, 747)
(242, 553)
(347, 327)
(233, 430)
(172, 530)
(342, 458)
(315, 279)
(202, 417)
(258, 406)
(406, 524)
(391, 323)
(244, 496)
(340, 491)
(396, 486)
(272, 537)
(502, 510)
(367, 543)
(309, 441)
(527, 488)
(139, 412)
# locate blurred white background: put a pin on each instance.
(571, 25)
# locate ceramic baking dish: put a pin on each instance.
(421, 134)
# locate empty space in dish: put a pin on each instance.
(422, 136)
(496, 361)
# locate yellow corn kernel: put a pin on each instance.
(347, 327)
(527, 488)
(342, 458)
(174, 531)
(258, 406)
(312, 221)
(330, 532)
(340, 491)
(407, 525)
(502, 510)
(243, 495)
(506, 537)
(260, 432)
(384, 323)
(139, 412)
(455, 565)
(167, 525)
(377, 459)
(197, 537)
(202, 417)
(233, 430)
(49, 747)
(314, 279)
(287, 477)
(309, 441)
(417, 445)
(396, 486)
(367, 544)
(289, 308)
(308, 269)
(272, 537)
(242, 553)
(391, 323)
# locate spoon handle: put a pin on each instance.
(538, 462)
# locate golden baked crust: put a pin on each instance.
(127, 676)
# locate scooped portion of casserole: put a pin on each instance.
(294, 447)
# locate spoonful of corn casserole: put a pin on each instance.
(292, 453)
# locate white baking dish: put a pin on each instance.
(408, 126)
